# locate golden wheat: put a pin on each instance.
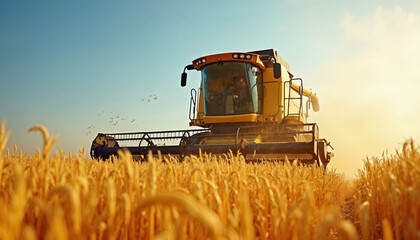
(387, 193)
(69, 196)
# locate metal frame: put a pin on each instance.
(289, 98)
(157, 135)
(185, 148)
(193, 102)
(193, 114)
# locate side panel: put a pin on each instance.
(200, 109)
(272, 89)
(250, 117)
(273, 94)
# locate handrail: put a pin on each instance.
(303, 91)
(193, 102)
(299, 90)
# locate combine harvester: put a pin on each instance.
(247, 102)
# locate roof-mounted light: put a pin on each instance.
(200, 61)
(242, 56)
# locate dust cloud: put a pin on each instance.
(369, 91)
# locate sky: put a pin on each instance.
(83, 67)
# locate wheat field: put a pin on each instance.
(69, 196)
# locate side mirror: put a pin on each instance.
(189, 67)
(184, 75)
(277, 70)
(183, 79)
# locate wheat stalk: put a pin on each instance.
(47, 140)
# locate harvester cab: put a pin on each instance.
(247, 102)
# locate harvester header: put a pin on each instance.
(247, 102)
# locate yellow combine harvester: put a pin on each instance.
(247, 101)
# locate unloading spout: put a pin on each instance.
(314, 102)
(310, 94)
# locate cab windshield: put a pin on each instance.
(232, 88)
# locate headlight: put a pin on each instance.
(242, 56)
(200, 61)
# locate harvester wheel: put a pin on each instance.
(104, 140)
(323, 155)
(185, 140)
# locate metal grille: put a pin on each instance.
(160, 135)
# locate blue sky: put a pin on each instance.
(78, 67)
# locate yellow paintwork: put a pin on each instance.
(249, 117)
(273, 100)
(256, 60)
(200, 111)
(292, 119)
